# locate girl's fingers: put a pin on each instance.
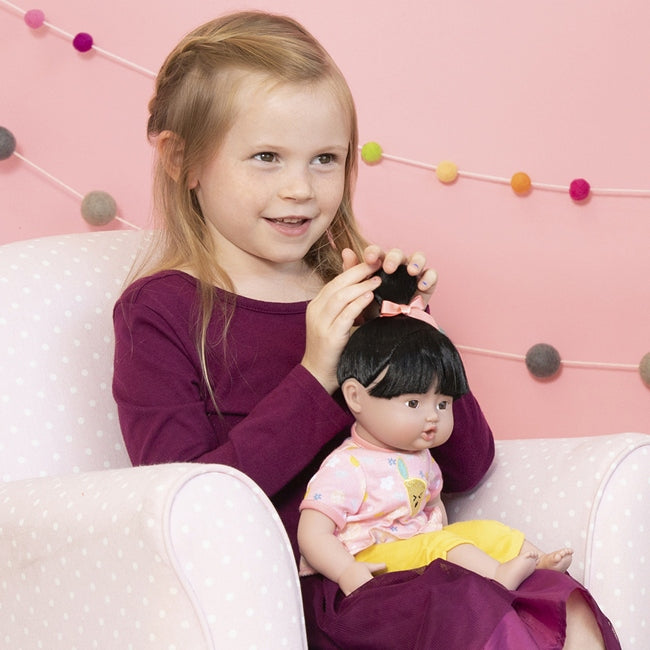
(416, 263)
(427, 282)
(355, 275)
(337, 298)
(393, 259)
(349, 258)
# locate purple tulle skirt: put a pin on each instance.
(443, 606)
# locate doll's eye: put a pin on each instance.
(413, 403)
(443, 405)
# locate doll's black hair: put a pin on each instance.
(414, 354)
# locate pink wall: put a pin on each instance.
(552, 88)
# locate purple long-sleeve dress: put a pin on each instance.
(276, 423)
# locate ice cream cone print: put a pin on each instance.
(415, 487)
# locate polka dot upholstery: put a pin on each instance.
(97, 554)
(592, 494)
(175, 557)
(56, 353)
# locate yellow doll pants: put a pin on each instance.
(494, 538)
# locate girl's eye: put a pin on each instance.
(266, 156)
(325, 159)
(413, 403)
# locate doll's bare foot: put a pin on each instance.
(557, 560)
(513, 572)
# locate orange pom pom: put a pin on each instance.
(520, 183)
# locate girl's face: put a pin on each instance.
(406, 422)
(277, 180)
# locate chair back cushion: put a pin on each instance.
(57, 413)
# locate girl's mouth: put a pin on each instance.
(293, 226)
(289, 221)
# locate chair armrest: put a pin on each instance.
(590, 493)
(190, 555)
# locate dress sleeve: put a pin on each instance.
(164, 418)
(467, 455)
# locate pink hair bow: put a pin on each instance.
(415, 310)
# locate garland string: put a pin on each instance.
(602, 365)
(66, 187)
(415, 163)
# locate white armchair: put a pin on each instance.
(95, 553)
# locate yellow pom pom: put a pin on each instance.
(520, 183)
(447, 171)
(371, 152)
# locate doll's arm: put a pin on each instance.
(436, 502)
(327, 555)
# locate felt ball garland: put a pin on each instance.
(7, 143)
(99, 208)
(543, 361)
(82, 42)
(644, 369)
(579, 189)
(34, 18)
(447, 171)
(520, 183)
(371, 152)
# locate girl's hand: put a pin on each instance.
(390, 260)
(331, 315)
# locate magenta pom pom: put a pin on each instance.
(34, 18)
(82, 42)
(579, 189)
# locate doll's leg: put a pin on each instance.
(510, 574)
(559, 560)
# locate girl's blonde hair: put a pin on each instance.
(194, 106)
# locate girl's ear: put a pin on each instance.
(353, 393)
(170, 150)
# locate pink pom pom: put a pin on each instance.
(82, 42)
(34, 18)
(579, 189)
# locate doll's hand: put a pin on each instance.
(330, 317)
(390, 260)
(357, 574)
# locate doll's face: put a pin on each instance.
(409, 422)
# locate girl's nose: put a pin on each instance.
(296, 185)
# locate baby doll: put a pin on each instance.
(374, 505)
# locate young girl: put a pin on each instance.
(375, 504)
(227, 344)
